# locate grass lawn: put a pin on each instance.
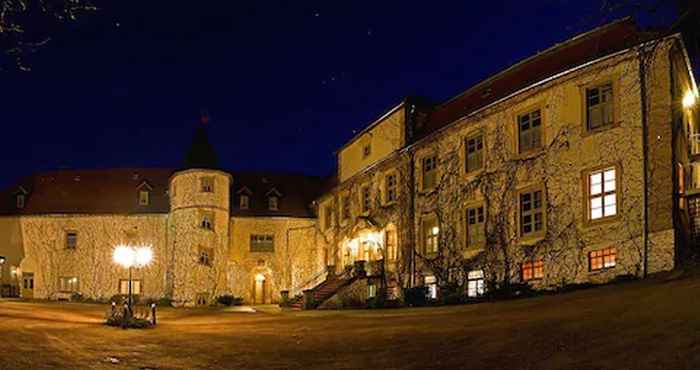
(654, 324)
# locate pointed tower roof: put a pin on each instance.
(201, 153)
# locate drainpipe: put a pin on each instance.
(645, 156)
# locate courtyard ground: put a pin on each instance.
(654, 324)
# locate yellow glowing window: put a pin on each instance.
(602, 194)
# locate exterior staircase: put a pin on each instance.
(321, 292)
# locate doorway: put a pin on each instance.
(260, 287)
(28, 285)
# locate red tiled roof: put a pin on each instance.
(589, 46)
(115, 191)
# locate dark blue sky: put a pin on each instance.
(285, 83)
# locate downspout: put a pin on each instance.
(645, 156)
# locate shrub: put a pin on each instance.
(452, 298)
(376, 302)
(118, 318)
(512, 290)
(76, 297)
(120, 299)
(160, 302)
(416, 297)
(229, 300)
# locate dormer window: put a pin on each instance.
(272, 203)
(273, 198)
(244, 201)
(207, 185)
(144, 197)
(20, 201)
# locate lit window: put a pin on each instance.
(124, 287)
(244, 202)
(207, 221)
(602, 194)
(69, 284)
(272, 203)
(531, 213)
(602, 259)
(475, 227)
(207, 184)
(71, 240)
(144, 198)
(475, 284)
(599, 106)
(391, 188)
(532, 270)
(475, 153)
(429, 172)
(529, 131)
(366, 199)
(371, 291)
(391, 245)
(20, 201)
(431, 287)
(262, 243)
(431, 232)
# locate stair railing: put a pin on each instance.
(311, 282)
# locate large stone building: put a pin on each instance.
(572, 166)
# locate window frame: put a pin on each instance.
(528, 112)
(534, 265)
(604, 263)
(206, 185)
(366, 198)
(391, 188)
(209, 253)
(477, 134)
(535, 233)
(273, 203)
(74, 245)
(392, 248)
(433, 236)
(147, 198)
(261, 241)
(207, 221)
(584, 105)
(244, 205)
(21, 201)
(69, 282)
(434, 170)
(140, 285)
(479, 289)
(345, 208)
(585, 180)
(467, 232)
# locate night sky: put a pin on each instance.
(285, 83)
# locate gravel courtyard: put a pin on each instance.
(653, 324)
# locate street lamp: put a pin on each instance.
(2, 273)
(132, 257)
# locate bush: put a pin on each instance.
(229, 300)
(416, 297)
(452, 298)
(76, 297)
(376, 302)
(160, 302)
(118, 318)
(512, 290)
(120, 299)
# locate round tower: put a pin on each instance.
(199, 227)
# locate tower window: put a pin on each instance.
(207, 184)
(207, 221)
(206, 256)
(20, 201)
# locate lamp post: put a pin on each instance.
(2, 273)
(132, 257)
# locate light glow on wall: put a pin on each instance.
(689, 99)
(128, 256)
